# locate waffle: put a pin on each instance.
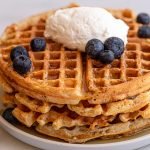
(35, 105)
(57, 74)
(30, 111)
(112, 108)
(83, 108)
(59, 117)
(54, 69)
(81, 134)
(125, 77)
(145, 113)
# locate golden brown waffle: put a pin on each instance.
(53, 70)
(57, 75)
(113, 108)
(113, 80)
(145, 113)
(82, 134)
(125, 77)
(139, 104)
(84, 108)
(71, 127)
(28, 111)
(59, 118)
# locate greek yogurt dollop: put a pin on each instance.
(74, 27)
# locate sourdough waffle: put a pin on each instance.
(59, 118)
(54, 69)
(125, 77)
(82, 134)
(51, 112)
(57, 74)
(84, 108)
(63, 118)
(29, 110)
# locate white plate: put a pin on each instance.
(31, 137)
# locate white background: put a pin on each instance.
(15, 10)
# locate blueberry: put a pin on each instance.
(22, 64)
(106, 56)
(116, 45)
(38, 44)
(143, 18)
(17, 51)
(7, 115)
(144, 31)
(94, 47)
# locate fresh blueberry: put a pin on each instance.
(17, 51)
(7, 115)
(144, 31)
(38, 44)
(143, 18)
(116, 45)
(94, 47)
(22, 64)
(106, 56)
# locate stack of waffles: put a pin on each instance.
(72, 97)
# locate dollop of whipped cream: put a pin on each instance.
(74, 27)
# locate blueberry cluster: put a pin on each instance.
(144, 30)
(20, 56)
(112, 49)
(21, 60)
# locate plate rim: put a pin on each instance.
(3, 122)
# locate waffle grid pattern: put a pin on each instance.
(60, 67)
(133, 63)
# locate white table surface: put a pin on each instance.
(15, 10)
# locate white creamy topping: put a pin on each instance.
(74, 27)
